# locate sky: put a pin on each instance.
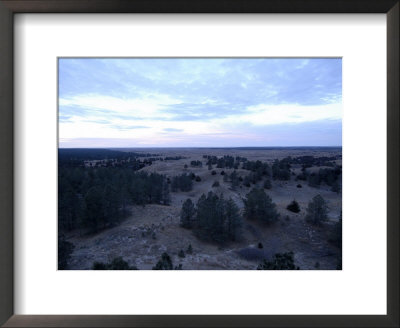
(199, 102)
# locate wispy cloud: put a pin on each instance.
(196, 100)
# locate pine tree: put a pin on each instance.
(283, 261)
(293, 207)
(189, 249)
(317, 210)
(259, 206)
(94, 210)
(187, 214)
(166, 198)
(234, 221)
(65, 249)
(165, 263)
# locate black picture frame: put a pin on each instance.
(7, 10)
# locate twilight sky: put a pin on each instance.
(210, 102)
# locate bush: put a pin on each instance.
(293, 207)
(299, 186)
(283, 261)
(222, 172)
(317, 210)
(181, 253)
(215, 184)
(198, 179)
(116, 264)
(213, 172)
(260, 245)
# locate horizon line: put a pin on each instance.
(185, 147)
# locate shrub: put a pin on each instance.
(99, 266)
(299, 186)
(215, 184)
(213, 172)
(283, 261)
(260, 245)
(222, 172)
(181, 253)
(116, 264)
(293, 207)
(198, 179)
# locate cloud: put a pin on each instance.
(150, 100)
(172, 130)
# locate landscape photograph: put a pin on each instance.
(199, 164)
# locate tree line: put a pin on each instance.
(97, 198)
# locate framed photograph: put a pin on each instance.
(206, 164)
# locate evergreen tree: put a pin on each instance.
(215, 184)
(293, 207)
(217, 219)
(259, 206)
(165, 263)
(187, 214)
(117, 263)
(336, 235)
(234, 180)
(94, 210)
(165, 195)
(189, 249)
(65, 249)
(234, 221)
(283, 261)
(317, 210)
